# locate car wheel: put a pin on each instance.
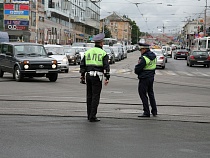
(1, 73)
(17, 74)
(187, 64)
(163, 67)
(190, 64)
(67, 71)
(207, 66)
(53, 77)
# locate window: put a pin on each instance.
(10, 49)
(4, 48)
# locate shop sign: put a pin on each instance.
(20, 1)
(16, 22)
(15, 27)
(8, 6)
(24, 7)
(14, 12)
(16, 17)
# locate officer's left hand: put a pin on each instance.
(106, 82)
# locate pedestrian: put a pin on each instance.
(93, 67)
(145, 69)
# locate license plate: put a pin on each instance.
(182, 54)
(42, 71)
(200, 61)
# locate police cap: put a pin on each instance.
(99, 37)
(144, 45)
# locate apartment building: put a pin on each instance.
(65, 21)
(55, 21)
(119, 26)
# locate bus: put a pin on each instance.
(110, 41)
(201, 43)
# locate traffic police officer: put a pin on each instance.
(145, 69)
(95, 65)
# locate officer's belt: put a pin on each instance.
(95, 73)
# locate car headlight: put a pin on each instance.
(25, 62)
(54, 66)
(26, 66)
(54, 61)
(64, 59)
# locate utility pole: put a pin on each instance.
(70, 19)
(204, 28)
(37, 16)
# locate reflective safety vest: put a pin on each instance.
(150, 64)
(94, 57)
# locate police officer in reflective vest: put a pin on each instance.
(145, 69)
(95, 65)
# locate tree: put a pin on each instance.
(135, 32)
(107, 32)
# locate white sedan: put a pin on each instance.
(161, 59)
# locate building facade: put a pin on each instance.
(55, 21)
(119, 27)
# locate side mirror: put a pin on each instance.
(49, 53)
(9, 53)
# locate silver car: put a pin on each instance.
(57, 52)
(161, 59)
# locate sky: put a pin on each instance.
(153, 15)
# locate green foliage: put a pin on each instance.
(107, 32)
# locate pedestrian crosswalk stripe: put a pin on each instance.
(185, 73)
(200, 73)
(157, 72)
(170, 73)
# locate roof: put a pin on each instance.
(20, 43)
(53, 45)
(115, 17)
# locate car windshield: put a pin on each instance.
(55, 50)
(30, 50)
(69, 51)
(200, 53)
(107, 50)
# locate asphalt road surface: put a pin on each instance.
(43, 119)
(61, 137)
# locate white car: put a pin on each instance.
(57, 52)
(161, 59)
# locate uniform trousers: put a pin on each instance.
(145, 89)
(94, 86)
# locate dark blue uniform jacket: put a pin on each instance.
(139, 68)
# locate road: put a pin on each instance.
(43, 119)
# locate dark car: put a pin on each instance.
(180, 53)
(198, 58)
(73, 55)
(26, 60)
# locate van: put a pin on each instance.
(168, 50)
(4, 37)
